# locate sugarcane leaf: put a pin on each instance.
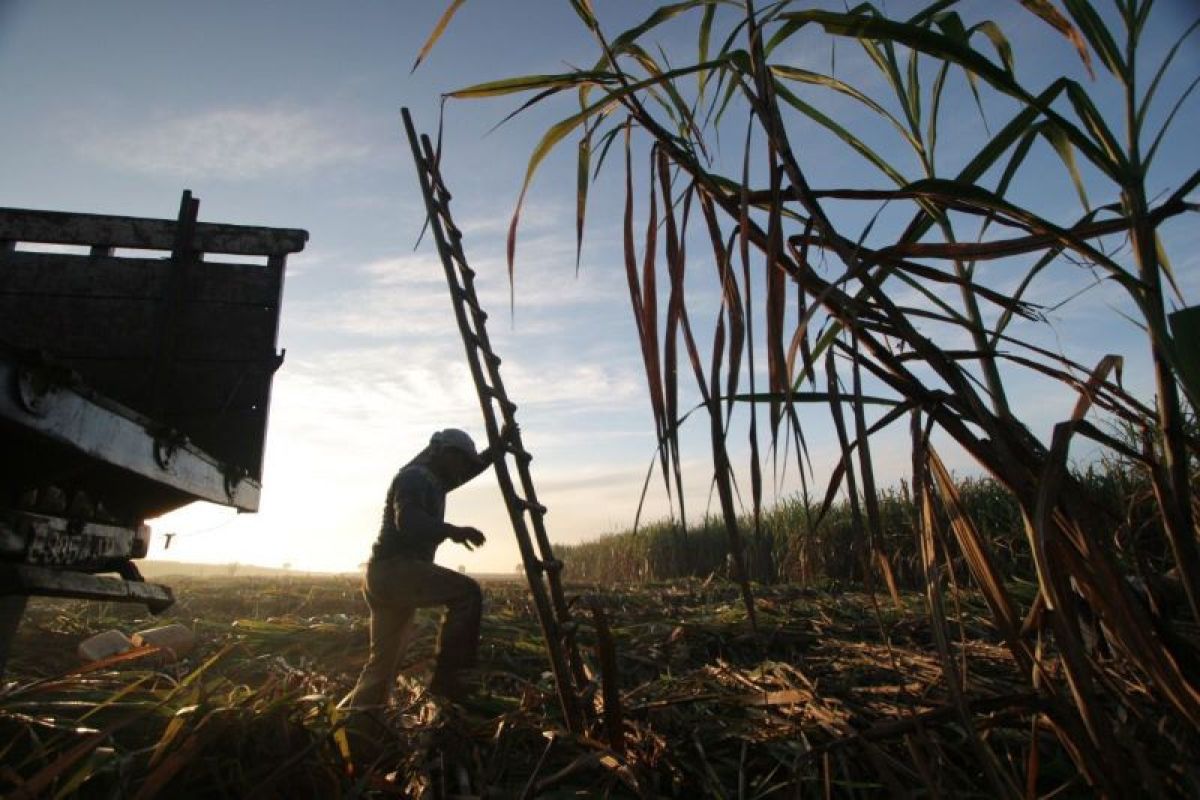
(791, 23)
(585, 12)
(1096, 32)
(1066, 153)
(437, 32)
(1052, 17)
(999, 41)
(557, 132)
(1164, 263)
(525, 83)
(935, 107)
(943, 47)
(978, 556)
(1148, 97)
(658, 17)
(731, 79)
(553, 136)
(1167, 123)
(1013, 131)
(581, 192)
(931, 12)
(913, 93)
(817, 79)
(825, 341)
(842, 133)
(801, 396)
(951, 24)
(979, 197)
(1027, 279)
(605, 144)
(532, 101)
(706, 22)
(677, 106)
(1094, 121)
(883, 54)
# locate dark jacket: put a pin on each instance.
(414, 514)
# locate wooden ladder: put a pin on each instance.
(543, 571)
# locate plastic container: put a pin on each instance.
(104, 645)
(176, 638)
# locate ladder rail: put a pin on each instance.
(552, 611)
(550, 566)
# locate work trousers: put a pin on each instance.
(395, 588)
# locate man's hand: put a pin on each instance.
(507, 436)
(468, 537)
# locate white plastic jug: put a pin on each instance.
(176, 637)
(103, 645)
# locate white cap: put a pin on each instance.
(457, 439)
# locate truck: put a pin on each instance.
(136, 363)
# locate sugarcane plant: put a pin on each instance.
(858, 321)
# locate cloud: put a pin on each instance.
(405, 295)
(229, 143)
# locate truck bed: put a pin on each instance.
(136, 361)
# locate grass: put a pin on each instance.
(834, 695)
(802, 550)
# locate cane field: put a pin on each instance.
(838, 693)
(842, 690)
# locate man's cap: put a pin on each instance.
(458, 440)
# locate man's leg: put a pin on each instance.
(390, 622)
(458, 640)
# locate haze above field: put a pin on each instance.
(288, 115)
(159, 569)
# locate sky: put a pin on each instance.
(287, 115)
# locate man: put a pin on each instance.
(401, 575)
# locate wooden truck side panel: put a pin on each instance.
(187, 342)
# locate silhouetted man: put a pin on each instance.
(401, 575)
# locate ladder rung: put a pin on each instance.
(509, 406)
(527, 505)
(474, 339)
(519, 453)
(437, 184)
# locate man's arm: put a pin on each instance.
(491, 453)
(421, 526)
